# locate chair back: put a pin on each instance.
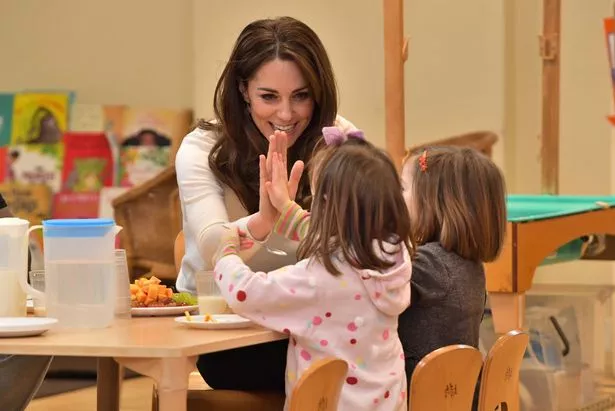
(499, 387)
(445, 379)
(320, 386)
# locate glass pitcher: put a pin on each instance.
(13, 266)
(80, 278)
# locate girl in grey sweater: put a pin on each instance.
(456, 199)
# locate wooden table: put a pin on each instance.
(156, 347)
(528, 243)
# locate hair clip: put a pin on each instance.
(423, 161)
(335, 136)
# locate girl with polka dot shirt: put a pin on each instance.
(343, 298)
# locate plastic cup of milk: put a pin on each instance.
(37, 281)
(208, 294)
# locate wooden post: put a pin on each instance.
(550, 52)
(395, 53)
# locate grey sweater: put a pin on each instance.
(447, 304)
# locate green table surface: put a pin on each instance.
(523, 208)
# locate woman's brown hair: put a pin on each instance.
(358, 205)
(234, 157)
(457, 198)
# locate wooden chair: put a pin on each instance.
(150, 214)
(482, 141)
(499, 388)
(320, 386)
(318, 389)
(179, 249)
(445, 379)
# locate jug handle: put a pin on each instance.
(24, 280)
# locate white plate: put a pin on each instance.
(162, 311)
(221, 322)
(25, 326)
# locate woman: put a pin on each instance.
(278, 79)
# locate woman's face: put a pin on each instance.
(279, 99)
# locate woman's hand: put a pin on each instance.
(278, 143)
(278, 187)
(245, 243)
(261, 224)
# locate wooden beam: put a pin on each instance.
(395, 53)
(550, 52)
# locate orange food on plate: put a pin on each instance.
(148, 292)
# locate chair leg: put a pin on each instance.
(154, 398)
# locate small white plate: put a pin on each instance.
(25, 326)
(162, 311)
(221, 322)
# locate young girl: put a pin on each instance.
(457, 207)
(343, 297)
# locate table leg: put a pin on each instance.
(108, 384)
(507, 310)
(171, 377)
(599, 314)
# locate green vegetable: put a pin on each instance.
(185, 298)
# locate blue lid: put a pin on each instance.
(79, 227)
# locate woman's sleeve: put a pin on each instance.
(202, 196)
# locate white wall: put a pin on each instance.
(585, 134)
(454, 73)
(114, 51)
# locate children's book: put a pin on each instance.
(76, 205)
(88, 163)
(36, 164)
(6, 118)
(147, 139)
(31, 202)
(39, 118)
(3, 163)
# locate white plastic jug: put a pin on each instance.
(13, 266)
(80, 277)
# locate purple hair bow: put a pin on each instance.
(335, 136)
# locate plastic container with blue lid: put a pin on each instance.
(83, 227)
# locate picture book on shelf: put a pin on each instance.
(6, 118)
(39, 118)
(36, 164)
(88, 163)
(31, 202)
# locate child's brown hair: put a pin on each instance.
(358, 203)
(457, 198)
